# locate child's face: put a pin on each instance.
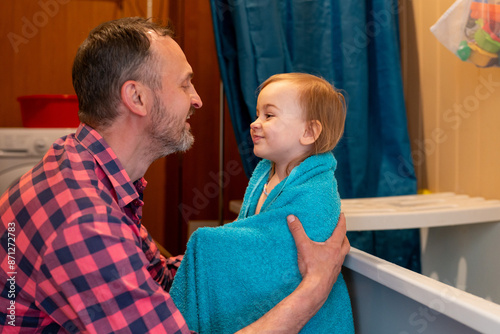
(280, 124)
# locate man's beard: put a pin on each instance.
(168, 133)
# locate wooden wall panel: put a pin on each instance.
(39, 44)
(429, 99)
(43, 64)
(445, 65)
(202, 160)
(412, 90)
(489, 136)
(236, 181)
(194, 176)
(452, 109)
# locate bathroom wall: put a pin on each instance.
(453, 109)
(39, 40)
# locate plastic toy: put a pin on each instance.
(481, 44)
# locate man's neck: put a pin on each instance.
(130, 147)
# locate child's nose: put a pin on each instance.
(255, 124)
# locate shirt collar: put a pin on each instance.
(126, 191)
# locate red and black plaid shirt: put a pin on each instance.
(80, 260)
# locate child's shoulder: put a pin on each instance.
(323, 158)
(317, 164)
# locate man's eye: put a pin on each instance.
(269, 115)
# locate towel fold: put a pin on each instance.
(232, 275)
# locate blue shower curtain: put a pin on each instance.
(355, 46)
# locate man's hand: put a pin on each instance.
(320, 262)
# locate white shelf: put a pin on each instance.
(413, 211)
(416, 211)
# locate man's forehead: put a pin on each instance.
(168, 49)
(153, 35)
(165, 44)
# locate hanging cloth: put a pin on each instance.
(355, 46)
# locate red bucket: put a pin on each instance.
(49, 111)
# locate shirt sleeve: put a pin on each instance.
(161, 269)
(95, 277)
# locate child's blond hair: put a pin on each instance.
(320, 101)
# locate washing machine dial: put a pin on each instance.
(40, 145)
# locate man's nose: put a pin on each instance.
(196, 100)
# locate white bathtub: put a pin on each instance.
(460, 235)
(460, 248)
(387, 299)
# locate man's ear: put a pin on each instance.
(311, 133)
(134, 97)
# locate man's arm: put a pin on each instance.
(95, 278)
(320, 264)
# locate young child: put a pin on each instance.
(300, 119)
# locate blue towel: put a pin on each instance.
(232, 275)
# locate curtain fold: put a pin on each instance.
(355, 46)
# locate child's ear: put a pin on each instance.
(312, 132)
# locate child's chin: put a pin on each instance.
(258, 155)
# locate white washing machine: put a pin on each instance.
(22, 148)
